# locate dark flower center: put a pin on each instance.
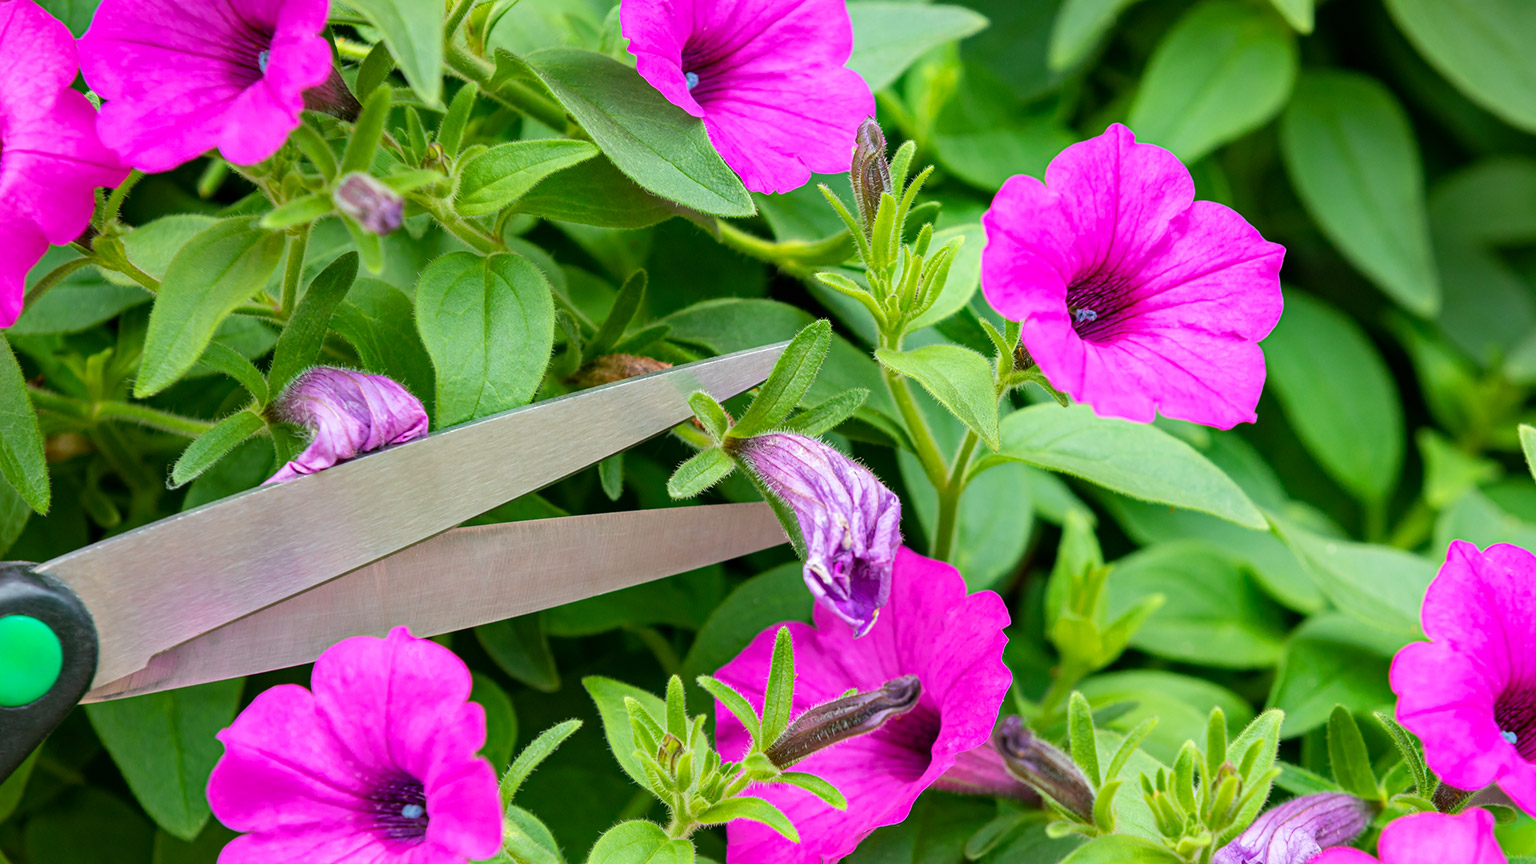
(1515, 712)
(1094, 301)
(913, 734)
(400, 809)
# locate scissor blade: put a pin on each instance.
(464, 578)
(170, 581)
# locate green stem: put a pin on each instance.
(293, 274)
(949, 498)
(473, 236)
(795, 257)
(512, 94)
(115, 200)
(1067, 676)
(456, 17)
(917, 426)
(54, 277)
(94, 412)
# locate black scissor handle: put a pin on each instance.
(43, 627)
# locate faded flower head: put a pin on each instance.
(767, 78)
(1470, 693)
(1298, 830)
(843, 718)
(952, 642)
(850, 521)
(376, 208)
(378, 763)
(347, 413)
(50, 159)
(1429, 838)
(181, 78)
(1134, 297)
(1044, 768)
(870, 175)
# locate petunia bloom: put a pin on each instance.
(50, 160)
(767, 77)
(1470, 693)
(1298, 830)
(952, 642)
(850, 521)
(181, 78)
(378, 763)
(1134, 297)
(1429, 838)
(349, 413)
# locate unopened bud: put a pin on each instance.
(375, 207)
(667, 752)
(849, 717)
(870, 173)
(1044, 768)
(1298, 830)
(332, 97)
(614, 367)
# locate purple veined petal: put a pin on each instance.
(347, 413)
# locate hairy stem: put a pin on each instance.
(293, 274)
(949, 498)
(512, 94)
(96, 412)
(917, 425)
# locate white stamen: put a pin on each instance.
(262, 59)
(413, 811)
(1510, 736)
(1082, 316)
(692, 79)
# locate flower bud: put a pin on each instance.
(849, 717)
(870, 173)
(347, 413)
(1044, 768)
(850, 521)
(1298, 830)
(614, 367)
(377, 208)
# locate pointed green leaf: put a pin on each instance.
(828, 793)
(702, 470)
(792, 376)
(631, 297)
(413, 30)
(496, 178)
(959, 378)
(710, 414)
(829, 414)
(222, 358)
(22, 461)
(213, 445)
(1081, 738)
(753, 809)
(299, 346)
(1348, 756)
(737, 704)
(609, 696)
(778, 699)
(533, 756)
(1487, 48)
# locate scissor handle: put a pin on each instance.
(48, 652)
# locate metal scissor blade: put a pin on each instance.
(464, 578)
(161, 585)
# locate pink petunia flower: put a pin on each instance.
(953, 643)
(181, 78)
(766, 76)
(1135, 298)
(348, 413)
(377, 764)
(1470, 694)
(50, 159)
(1429, 838)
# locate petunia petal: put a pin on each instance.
(1435, 838)
(1448, 703)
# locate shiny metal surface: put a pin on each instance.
(168, 582)
(463, 578)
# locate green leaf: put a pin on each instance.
(489, 324)
(816, 786)
(367, 133)
(655, 143)
(737, 704)
(995, 521)
(1264, 733)
(521, 648)
(378, 320)
(1528, 447)
(533, 756)
(499, 176)
(1331, 659)
(1081, 738)
(299, 211)
(152, 247)
(888, 37)
(1408, 748)
(215, 444)
(450, 133)
(779, 697)
(299, 346)
(74, 828)
(527, 840)
(1121, 849)
(1380, 585)
(1339, 396)
(710, 414)
(222, 358)
(1487, 48)
(1347, 754)
(701, 471)
(753, 809)
(1298, 13)
(609, 696)
(220, 268)
(1225, 69)
(959, 378)
(610, 473)
(597, 193)
(164, 745)
(1134, 459)
(829, 414)
(631, 297)
(639, 842)
(1080, 24)
(792, 376)
(22, 462)
(500, 720)
(1353, 159)
(1181, 704)
(13, 786)
(413, 30)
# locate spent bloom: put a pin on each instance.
(50, 159)
(1134, 297)
(1298, 830)
(850, 521)
(1429, 838)
(377, 763)
(347, 413)
(951, 642)
(1470, 693)
(181, 78)
(767, 77)
(375, 207)
(1044, 768)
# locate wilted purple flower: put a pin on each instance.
(870, 174)
(1298, 830)
(375, 207)
(348, 413)
(843, 718)
(851, 523)
(1044, 768)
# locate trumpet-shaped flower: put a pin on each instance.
(348, 413)
(766, 76)
(1429, 838)
(1134, 297)
(952, 643)
(377, 763)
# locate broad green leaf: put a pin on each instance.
(90, 826)
(1122, 849)
(1134, 459)
(1348, 756)
(1353, 158)
(299, 346)
(521, 648)
(22, 462)
(609, 696)
(1298, 13)
(13, 786)
(1181, 703)
(489, 324)
(1225, 69)
(215, 444)
(639, 842)
(1338, 395)
(500, 720)
(413, 30)
(152, 246)
(1331, 659)
(527, 840)
(1528, 446)
(1080, 24)
(220, 268)
(1477, 519)
(753, 809)
(959, 378)
(1487, 48)
(164, 745)
(889, 36)
(1490, 202)
(497, 177)
(596, 193)
(655, 143)
(378, 320)
(1380, 585)
(701, 471)
(78, 302)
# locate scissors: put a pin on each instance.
(271, 577)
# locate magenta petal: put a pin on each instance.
(22, 245)
(1435, 838)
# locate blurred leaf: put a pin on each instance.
(1331, 659)
(1528, 446)
(984, 136)
(609, 696)
(1079, 26)
(520, 648)
(1449, 471)
(1225, 69)
(1181, 703)
(1122, 849)
(639, 842)
(959, 378)
(499, 176)
(152, 246)
(1380, 585)
(80, 301)
(204, 850)
(1298, 13)
(1490, 202)
(1348, 756)
(22, 462)
(13, 786)
(527, 839)
(1477, 519)
(889, 36)
(414, 33)
(994, 524)
(1353, 159)
(76, 14)
(684, 600)
(766, 599)
(1487, 48)
(379, 321)
(89, 826)
(500, 721)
